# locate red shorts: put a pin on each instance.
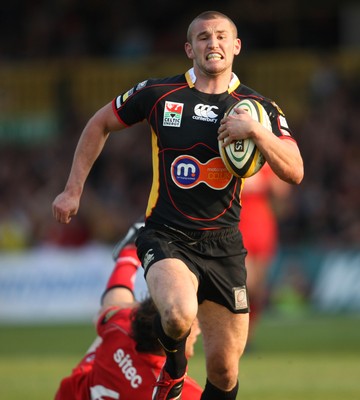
(258, 226)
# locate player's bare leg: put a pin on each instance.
(224, 335)
(173, 288)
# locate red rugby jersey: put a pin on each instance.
(116, 370)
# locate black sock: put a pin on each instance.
(211, 392)
(176, 361)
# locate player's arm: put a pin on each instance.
(90, 145)
(283, 156)
(119, 297)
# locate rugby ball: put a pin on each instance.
(241, 157)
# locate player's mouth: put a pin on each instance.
(214, 56)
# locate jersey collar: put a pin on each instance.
(191, 79)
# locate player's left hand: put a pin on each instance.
(236, 127)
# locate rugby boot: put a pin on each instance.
(167, 388)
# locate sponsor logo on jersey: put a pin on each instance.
(240, 298)
(125, 363)
(188, 172)
(173, 114)
(205, 112)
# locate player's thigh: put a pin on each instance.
(224, 334)
(173, 288)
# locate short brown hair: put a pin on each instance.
(207, 15)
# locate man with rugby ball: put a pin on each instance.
(190, 247)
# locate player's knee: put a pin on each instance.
(222, 374)
(222, 369)
(177, 322)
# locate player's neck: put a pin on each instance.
(213, 84)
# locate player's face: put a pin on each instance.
(213, 45)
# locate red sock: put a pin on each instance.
(124, 272)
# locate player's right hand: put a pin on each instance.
(64, 207)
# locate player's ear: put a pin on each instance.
(237, 46)
(189, 50)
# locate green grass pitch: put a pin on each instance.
(312, 358)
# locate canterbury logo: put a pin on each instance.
(149, 256)
(205, 113)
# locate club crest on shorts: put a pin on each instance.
(240, 298)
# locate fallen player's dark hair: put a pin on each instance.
(142, 331)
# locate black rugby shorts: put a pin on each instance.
(217, 258)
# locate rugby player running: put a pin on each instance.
(190, 247)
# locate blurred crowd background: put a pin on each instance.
(61, 60)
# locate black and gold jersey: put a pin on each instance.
(191, 187)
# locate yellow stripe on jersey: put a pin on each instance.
(190, 77)
(234, 83)
(154, 192)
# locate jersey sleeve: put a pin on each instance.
(139, 102)
(134, 105)
(278, 121)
